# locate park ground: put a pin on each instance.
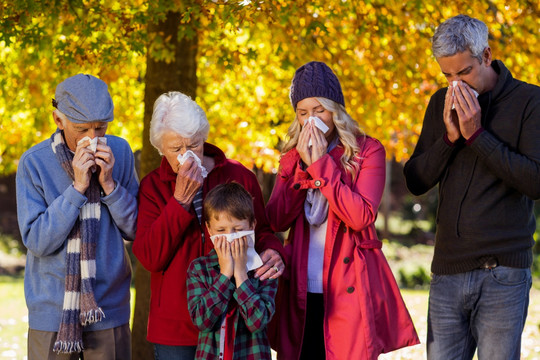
(14, 318)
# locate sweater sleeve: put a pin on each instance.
(355, 205)
(519, 168)
(265, 237)
(44, 226)
(159, 228)
(286, 203)
(429, 160)
(122, 201)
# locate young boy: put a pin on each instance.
(228, 305)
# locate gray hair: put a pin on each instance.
(459, 34)
(174, 111)
(63, 118)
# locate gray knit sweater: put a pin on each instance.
(486, 188)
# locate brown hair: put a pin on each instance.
(230, 198)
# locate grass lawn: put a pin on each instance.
(14, 323)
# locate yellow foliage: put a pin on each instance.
(380, 50)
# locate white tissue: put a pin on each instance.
(183, 157)
(93, 142)
(254, 260)
(318, 124)
(93, 146)
(454, 84)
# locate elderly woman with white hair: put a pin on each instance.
(170, 227)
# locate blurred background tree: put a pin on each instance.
(237, 58)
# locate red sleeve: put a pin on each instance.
(357, 204)
(160, 225)
(265, 237)
(286, 203)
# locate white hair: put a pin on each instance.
(174, 111)
(63, 118)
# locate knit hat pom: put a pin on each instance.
(315, 79)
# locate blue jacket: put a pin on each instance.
(47, 208)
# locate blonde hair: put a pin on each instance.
(347, 131)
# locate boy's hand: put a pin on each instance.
(225, 259)
(239, 254)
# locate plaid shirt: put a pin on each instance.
(209, 293)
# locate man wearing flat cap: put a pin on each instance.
(76, 202)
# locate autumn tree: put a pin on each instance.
(237, 59)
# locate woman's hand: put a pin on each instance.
(273, 265)
(188, 182)
(319, 145)
(303, 144)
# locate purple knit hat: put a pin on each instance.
(315, 79)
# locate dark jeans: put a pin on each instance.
(313, 343)
(166, 352)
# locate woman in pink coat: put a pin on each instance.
(338, 298)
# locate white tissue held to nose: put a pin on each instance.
(93, 146)
(93, 142)
(454, 84)
(318, 124)
(254, 261)
(183, 157)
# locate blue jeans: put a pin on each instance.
(483, 308)
(166, 352)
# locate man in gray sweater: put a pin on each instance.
(480, 144)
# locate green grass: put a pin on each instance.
(14, 322)
(14, 318)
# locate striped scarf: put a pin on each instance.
(80, 307)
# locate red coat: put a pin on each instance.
(169, 237)
(364, 312)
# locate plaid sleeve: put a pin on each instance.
(208, 293)
(256, 302)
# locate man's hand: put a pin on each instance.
(468, 110)
(83, 161)
(104, 159)
(273, 265)
(451, 121)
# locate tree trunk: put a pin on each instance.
(161, 77)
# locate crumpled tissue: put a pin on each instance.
(93, 146)
(93, 142)
(454, 84)
(183, 157)
(318, 123)
(254, 260)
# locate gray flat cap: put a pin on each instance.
(84, 98)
